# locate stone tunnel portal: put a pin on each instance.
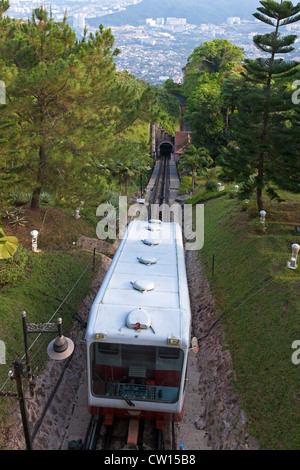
(166, 150)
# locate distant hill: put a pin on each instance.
(195, 11)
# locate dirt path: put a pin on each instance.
(213, 415)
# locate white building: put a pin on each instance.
(160, 21)
(176, 21)
(150, 22)
(233, 20)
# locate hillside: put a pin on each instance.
(259, 298)
(195, 11)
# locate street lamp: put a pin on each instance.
(263, 217)
(292, 264)
(34, 235)
(59, 349)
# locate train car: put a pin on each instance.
(139, 329)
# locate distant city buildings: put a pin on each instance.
(233, 20)
(158, 49)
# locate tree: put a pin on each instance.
(194, 160)
(232, 87)
(262, 141)
(204, 73)
(204, 113)
(214, 57)
(67, 102)
(4, 6)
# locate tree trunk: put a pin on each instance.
(193, 179)
(227, 121)
(35, 200)
(259, 199)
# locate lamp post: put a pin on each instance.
(292, 264)
(263, 217)
(34, 235)
(59, 349)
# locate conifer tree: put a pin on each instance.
(262, 142)
(68, 104)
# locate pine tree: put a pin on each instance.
(4, 6)
(262, 142)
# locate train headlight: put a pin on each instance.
(173, 341)
(100, 336)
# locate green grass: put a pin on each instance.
(259, 332)
(50, 277)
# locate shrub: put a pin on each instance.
(46, 199)
(252, 209)
(211, 186)
(258, 226)
(20, 199)
(185, 185)
(13, 269)
(231, 194)
(205, 196)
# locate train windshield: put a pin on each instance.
(136, 372)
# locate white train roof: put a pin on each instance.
(144, 297)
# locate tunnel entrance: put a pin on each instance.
(166, 150)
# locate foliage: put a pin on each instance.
(211, 186)
(194, 161)
(204, 196)
(206, 69)
(185, 185)
(167, 108)
(259, 332)
(14, 268)
(8, 245)
(214, 57)
(262, 138)
(173, 88)
(69, 111)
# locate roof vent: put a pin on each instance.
(155, 221)
(154, 228)
(143, 285)
(151, 242)
(147, 261)
(138, 319)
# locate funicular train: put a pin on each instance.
(139, 329)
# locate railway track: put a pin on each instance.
(100, 436)
(117, 436)
(160, 192)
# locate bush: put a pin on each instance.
(252, 209)
(185, 185)
(258, 226)
(13, 269)
(46, 198)
(205, 196)
(211, 186)
(19, 199)
(231, 194)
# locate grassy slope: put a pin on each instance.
(50, 275)
(260, 332)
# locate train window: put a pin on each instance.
(136, 372)
(108, 348)
(169, 353)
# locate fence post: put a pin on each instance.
(18, 368)
(94, 259)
